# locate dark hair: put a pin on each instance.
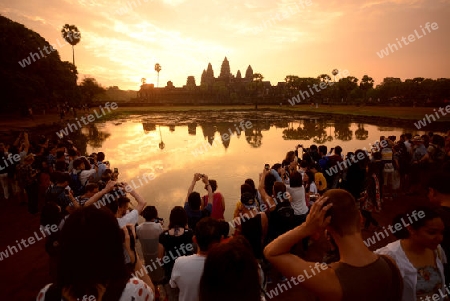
(91, 187)
(77, 163)
(276, 166)
(323, 149)
(438, 140)
(429, 213)
(290, 156)
(50, 214)
(345, 216)
(71, 152)
(230, 273)
(251, 183)
(269, 180)
(338, 150)
(313, 147)
(100, 156)
(123, 201)
(279, 187)
(213, 184)
(362, 163)
(224, 228)
(310, 176)
(178, 217)
(207, 231)
(194, 200)
(303, 164)
(59, 154)
(296, 179)
(61, 177)
(95, 234)
(150, 213)
(247, 188)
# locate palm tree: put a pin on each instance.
(335, 72)
(157, 69)
(72, 35)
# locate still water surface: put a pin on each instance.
(174, 146)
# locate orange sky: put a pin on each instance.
(122, 40)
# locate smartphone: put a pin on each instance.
(116, 170)
(267, 166)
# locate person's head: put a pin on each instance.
(51, 214)
(248, 199)
(269, 180)
(345, 216)
(290, 156)
(95, 233)
(224, 228)
(277, 167)
(122, 205)
(303, 164)
(78, 164)
(323, 150)
(315, 168)
(296, 179)
(62, 179)
(408, 136)
(230, 273)
(178, 217)
(100, 156)
(194, 200)
(207, 233)
(279, 192)
(438, 140)
(60, 156)
(213, 184)
(71, 152)
(338, 150)
(251, 183)
(308, 177)
(362, 157)
(350, 155)
(150, 213)
(313, 148)
(439, 187)
(91, 189)
(424, 227)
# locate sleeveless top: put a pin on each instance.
(379, 280)
(217, 209)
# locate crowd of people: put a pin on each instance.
(312, 192)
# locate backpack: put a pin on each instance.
(77, 187)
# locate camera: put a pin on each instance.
(267, 167)
(300, 145)
(116, 170)
(159, 220)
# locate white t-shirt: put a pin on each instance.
(313, 187)
(149, 230)
(129, 218)
(136, 289)
(186, 275)
(85, 174)
(298, 199)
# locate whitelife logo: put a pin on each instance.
(411, 38)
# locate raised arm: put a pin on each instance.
(109, 186)
(141, 202)
(191, 187)
(208, 187)
(312, 275)
(262, 191)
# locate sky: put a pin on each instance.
(121, 41)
